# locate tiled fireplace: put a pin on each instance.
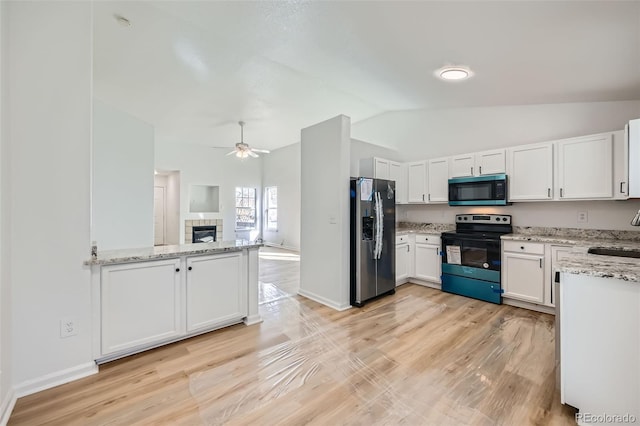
(189, 224)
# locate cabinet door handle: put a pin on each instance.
(521, 247)
(429, 197)
(541, 262)
(548, 192)
(560, 192)
(177, 269)
(437, 250)
(471, 170)
(621, 191)
(423, 198)
(189, 268)
(479, 170)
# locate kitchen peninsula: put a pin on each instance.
(148, 297)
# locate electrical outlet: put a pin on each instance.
(68, 327)
(583, 217)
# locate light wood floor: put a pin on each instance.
(419, 357)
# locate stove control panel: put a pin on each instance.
(497, 219)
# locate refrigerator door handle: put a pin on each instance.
(379, 226)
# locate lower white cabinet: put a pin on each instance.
(523, 266)
(402, 262)
(214, 292)
(428, 262)
(140, 304)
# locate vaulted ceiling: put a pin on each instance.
(193, 69)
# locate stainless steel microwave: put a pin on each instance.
(489, 190)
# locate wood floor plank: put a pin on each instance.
(419, 357)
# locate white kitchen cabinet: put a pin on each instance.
(620, 165)
(523, 271)
(490, 162)
(417, 182)
(215, 294)
(403, 259)
(462, 165)
(398, 173)
(375, 167)
(140, 304)
(427, 261)
(556, 253)
(478, 164)
(438, 180)
(530, 172)
(600, 345)
(585, 167)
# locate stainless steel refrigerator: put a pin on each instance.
(373, 239)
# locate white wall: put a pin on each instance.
(49, 76)
(425, 134)
(281, 168)
(202, 165)
(122, 203)
(324, 222)
(6, 394)
(361, 149)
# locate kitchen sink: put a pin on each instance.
(614, 252)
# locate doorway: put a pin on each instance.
(166, 207)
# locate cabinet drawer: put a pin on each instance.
(523, 247)
(401, 239)
(427, 239)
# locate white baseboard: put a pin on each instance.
(323, 300)
(530, 306)
(424, 283)
(296, 249)
(252, 319)
(58, 378)
(6, 408)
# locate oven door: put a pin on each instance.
(471, 251)
(471, 266)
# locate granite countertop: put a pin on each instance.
(577, 237)
(425, 228)
(581, 263)
(108, 257)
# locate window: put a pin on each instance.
(245, 208)
(271, 207)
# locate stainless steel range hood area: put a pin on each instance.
(633, 134)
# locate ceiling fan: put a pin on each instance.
(243, 150)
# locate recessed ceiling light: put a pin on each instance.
(122, 20)
(454, 73)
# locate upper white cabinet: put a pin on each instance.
(632, 133)
(377, 168)
(530, 172)
(417, 182)
(462, 165)
(620, 165)
(380, 168)
(585, 167)
(437, 180)
(398, 173)
(478, 164)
